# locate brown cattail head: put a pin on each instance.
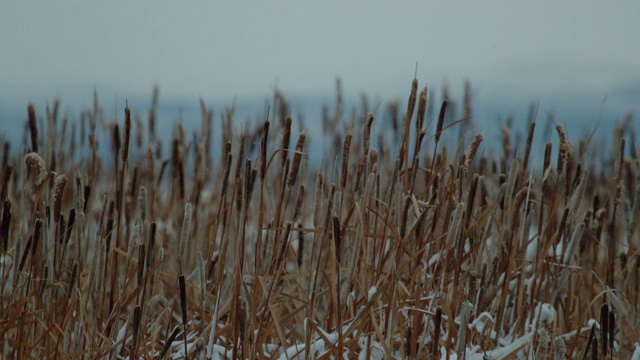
(367, 133)
(473, 149)
(33, 127)
(436, 337)
(33, 160)
(286, 139)
(127, 132)
(298, 208)
(443, 111)
(345, 161)
(547, 156)
(263, 149)
(115, 139)
(422, 109)
(4, 226)
(527, 150)
(565, 148)
(60, 183)
(317, 199)
(297, 157)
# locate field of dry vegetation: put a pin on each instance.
(230, 243)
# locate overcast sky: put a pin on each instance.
(224, 50)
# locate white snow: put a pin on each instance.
(372, 291)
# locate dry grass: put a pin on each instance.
(428, 249)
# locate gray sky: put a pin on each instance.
(223, 50)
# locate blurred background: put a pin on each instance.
(578, 62)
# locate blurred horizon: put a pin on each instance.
(575, 61)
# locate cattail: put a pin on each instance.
(298, 208)
(8, 171)
(240, 156)
(612, 329)
(150, 246)
(542, 351)
(407, 120)
(71, 222)
(142, 202)
(422, 109)
(293, 172)
(473, 148)
(443, 111)
(249, 176)
(467, 307)
(547, 156)
(127, 132)
(345, 161)
(300, 255)
(86, 194)
(517, 203)
(359, 170)
(559, 349)
(137, 315)
(227, 172)
(263, 149)
(367, 133)
(183, 298)
(471, 199)
(33, 160)
(60, 183)
(134, 242)
(183, 308)
(286, 139)
(33, 127)
(565, 149)
(604, 326)
(436, 334)
(4, 226)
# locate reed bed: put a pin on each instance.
(409, 240)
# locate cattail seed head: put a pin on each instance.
(60, 183)
(441, 116)
(33, 160)
(297, 157)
